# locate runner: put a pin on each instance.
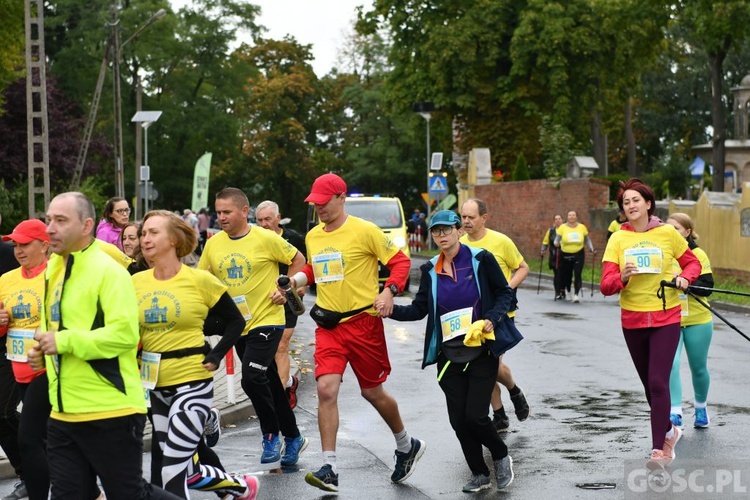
(635, 261)
(461, 289)
(571, 238)
(548, 242)
(474, 216)
(115, 217)
(614, 226)
(176, 363)
(697, 330)
(344, 254)
(246, 259)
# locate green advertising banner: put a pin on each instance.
(200, 182)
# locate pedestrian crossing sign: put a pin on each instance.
(438, 184)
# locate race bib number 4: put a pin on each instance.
(150, 369)
(456, 323)
(19, 342)
(647, 260)
(328, 267)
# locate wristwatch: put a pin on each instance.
(393, 288)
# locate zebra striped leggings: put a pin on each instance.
(179, 414)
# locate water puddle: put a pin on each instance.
(557, 315)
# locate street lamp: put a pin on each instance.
(119, 179)
(424, 109)
(146, 119)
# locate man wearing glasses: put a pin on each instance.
(474, 216)
(343, 261)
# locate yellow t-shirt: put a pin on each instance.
(545, 240)
(653, 250)
(502, 247)
(170, 317)
(345, 263)
(249, 267)
(696, 313)
(572, 238)
(114, 252)
(614, 226)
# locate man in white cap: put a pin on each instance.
(344, 253)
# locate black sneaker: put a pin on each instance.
(520, 405)
(405, 462)
(500, 420)
(325, 478)
(504, 472)
(478, 482)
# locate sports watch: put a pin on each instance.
(393, 288)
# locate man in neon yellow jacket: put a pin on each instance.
(91, 319)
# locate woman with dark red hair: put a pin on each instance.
(636, 260)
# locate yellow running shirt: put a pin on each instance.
(655, 252)
(249, 267)
(170, 317)
(345, 263)
(502, 247)
(693, 312)
(572, 238)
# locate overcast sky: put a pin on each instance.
(321, 23)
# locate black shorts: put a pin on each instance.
(290, 319)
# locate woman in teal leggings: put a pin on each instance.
(697, 330)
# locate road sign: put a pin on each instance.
(438, 184)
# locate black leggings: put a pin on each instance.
(32, 438)
(572, 263)
(9, 416)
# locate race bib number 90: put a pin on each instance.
(647, 260)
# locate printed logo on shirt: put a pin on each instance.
(155, 314)
(162, 312)
(54, 311)
(234, 269)
(26, 301)
(22, 310)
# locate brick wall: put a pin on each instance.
(524, 210)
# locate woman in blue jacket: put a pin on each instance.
(466, 299)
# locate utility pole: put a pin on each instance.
(37, 139)
(115, 26)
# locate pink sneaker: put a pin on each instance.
(253, 486)
(669, 444)
(658, 460)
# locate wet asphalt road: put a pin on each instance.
(588, 412)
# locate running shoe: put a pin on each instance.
(478, 482)
(669, 443)
(253, 486)
(291, 393)
(272, 448)
(576, 298)
(701, 418)
(504, 472)
(405, 462)
(658, 460)
(19, 492)
(325, 478)
(520, 405)
(500, 420)
(212, 430)
(293, 447)
(676, 419)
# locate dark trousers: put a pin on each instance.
(9, 416)
(467, 390)
(110, 448)
(260, 381)
(572, 265)
(32, 438)
(652, 351)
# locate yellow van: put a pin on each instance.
(385, 212)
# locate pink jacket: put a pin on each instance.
(106, 231)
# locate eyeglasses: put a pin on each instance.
(123, 211)
(442, 230)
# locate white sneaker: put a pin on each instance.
(568, 297)
(576, 298)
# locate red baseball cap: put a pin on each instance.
(27, 231)
(326, 187)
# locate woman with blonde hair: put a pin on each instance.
(176, 363)
(696, 332)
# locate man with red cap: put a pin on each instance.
(343, 254)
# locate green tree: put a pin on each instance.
(11, 43)
(521, 169)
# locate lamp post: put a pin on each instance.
(119, 178)
(145, 119)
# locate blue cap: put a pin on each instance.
(445, 218)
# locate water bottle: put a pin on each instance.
(294, 300)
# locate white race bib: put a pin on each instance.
(456, 323)
(328, 267)
(573, 237)
(647, 260)
(241, 302)
(684, 304)
(150, 369)
(19, 342)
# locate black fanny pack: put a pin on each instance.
(329, 319)
(186, 351)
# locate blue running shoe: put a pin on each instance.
(293, 447)
(405, 462)
(325, 479)
(701, 418)
(272, 448)
(676, 419)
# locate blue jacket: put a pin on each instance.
(495, 298)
